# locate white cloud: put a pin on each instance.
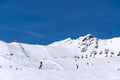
(35, 34)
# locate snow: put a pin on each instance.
(94, 57)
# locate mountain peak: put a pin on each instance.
(89, 44)
(88, 37)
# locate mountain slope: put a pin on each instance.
(91, 46)
(68, 59)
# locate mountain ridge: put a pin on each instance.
(87, 45)
(90, 44)
(79, 58)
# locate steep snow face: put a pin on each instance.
(90, 46)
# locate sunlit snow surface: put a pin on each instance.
(20, 61)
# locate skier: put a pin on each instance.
(40, 65)
(77, 66)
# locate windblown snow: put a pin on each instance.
(85, 58)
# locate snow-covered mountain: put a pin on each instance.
(85, 58)
(92, 47)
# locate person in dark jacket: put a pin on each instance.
(41, 64)
(77, 66)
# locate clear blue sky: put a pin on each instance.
(45, 21)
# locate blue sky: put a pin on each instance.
(46, 21)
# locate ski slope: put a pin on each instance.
(85, 58)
